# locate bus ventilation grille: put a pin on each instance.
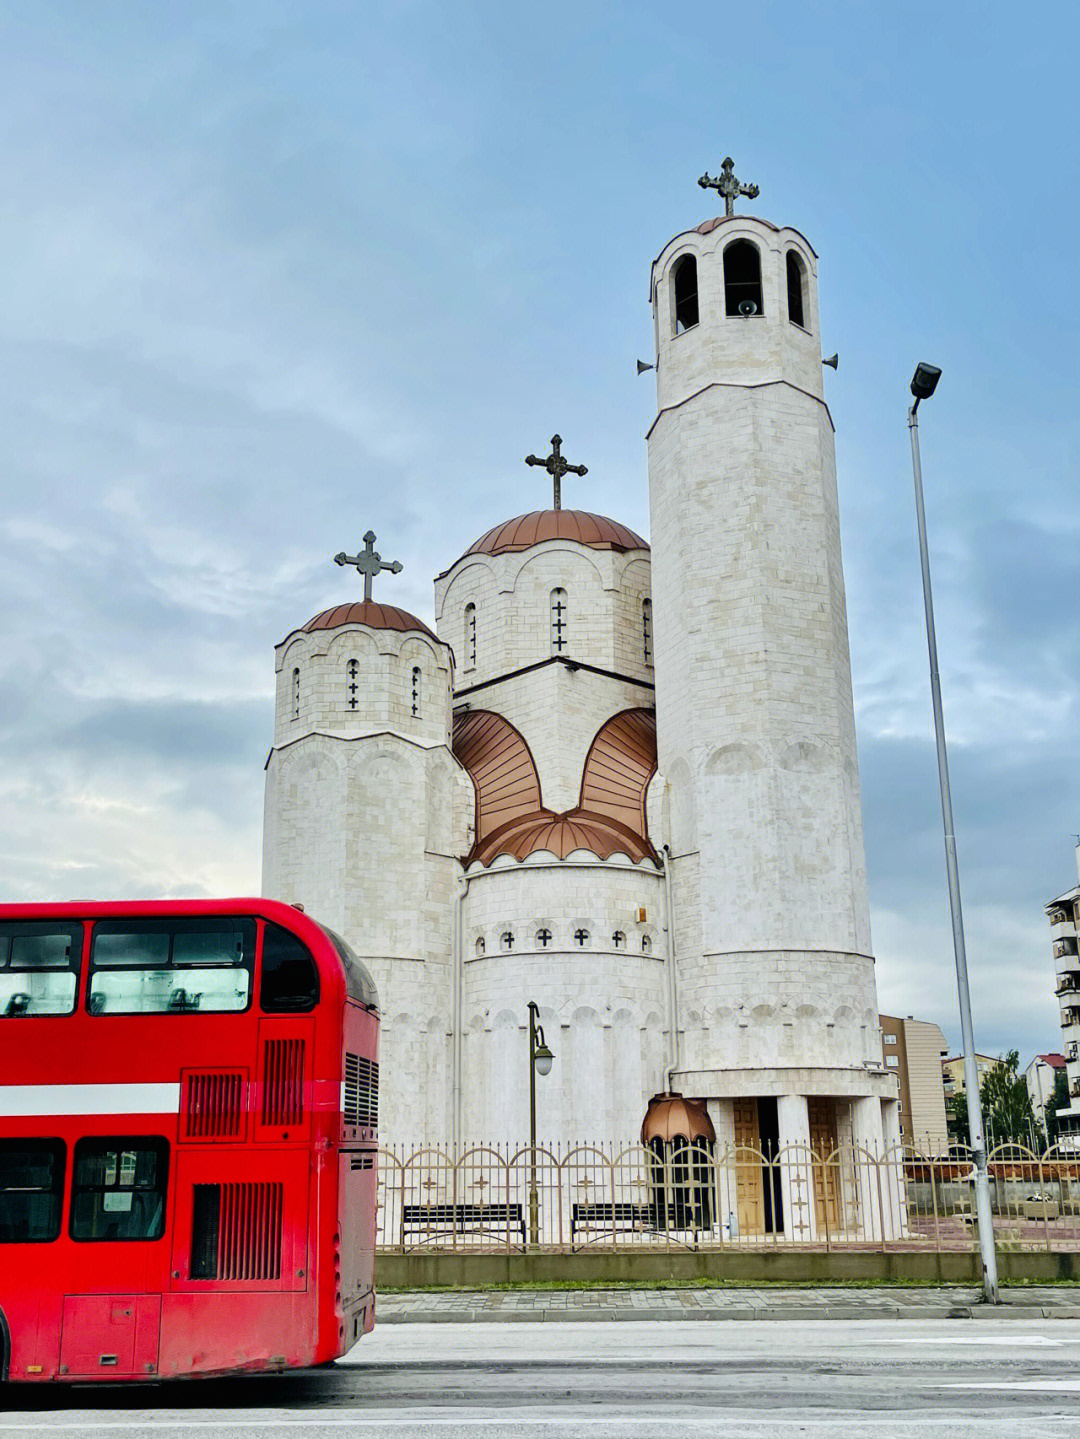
(283, 1082)
(213, 1105)
(236, 1231)
(361, 1106)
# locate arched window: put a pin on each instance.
(507, 939)
(543, 938)
(684, 293)
(296, 694)
(352, 687)
(558, 621)
(618, 939)
(646, 630)
(742, 279)
(581, 938)
(646, 944)
(480, 946)
(795, 280)
(470, 637)
(416, 690)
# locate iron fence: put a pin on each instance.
(591, 1196)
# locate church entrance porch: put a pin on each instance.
(807, 1169)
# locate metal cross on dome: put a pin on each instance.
(368, 562)
(728, 186)
(556, 467)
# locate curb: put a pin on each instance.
(744, 1312)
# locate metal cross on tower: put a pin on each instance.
(556, 467)
(368, 562)
(728, 186)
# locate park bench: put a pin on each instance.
(605, 1216)
(486, 1219)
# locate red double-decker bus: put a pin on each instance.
(188, 1111)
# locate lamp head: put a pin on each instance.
(542, 1058)
(924, 381)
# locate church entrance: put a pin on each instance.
(825, 1144)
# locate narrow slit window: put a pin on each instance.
(543, 937)
(581, 938)
(470, 636)
(795, 286)
(296, 694)
(416, 682)
(558, 621)
(646, 944)
(352, 683)
(685, 293)
(646, 630)
(618, 939)
(742, 279)
(508, 939)
(480, 946)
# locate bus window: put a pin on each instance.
(118, 1188)
(31, 1190)
(171, 966)
(290, 981)
(358, 982)
(39, 968)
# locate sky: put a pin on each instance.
(276, 274)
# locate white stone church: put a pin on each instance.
(618, 778)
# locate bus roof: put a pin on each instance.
(359, 984)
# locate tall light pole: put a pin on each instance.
(540, 1058)
(922, 387)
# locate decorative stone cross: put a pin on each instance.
(728, 186)
(368, 562)
(556, 467)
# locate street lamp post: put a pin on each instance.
(540, 1058)
(922, 387)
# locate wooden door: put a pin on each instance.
(748, 1198)
(823, 1141)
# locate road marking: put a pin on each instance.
(364, 1419)
(1043, 1386)
(1025, 1339)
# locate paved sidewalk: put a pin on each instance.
(531, 1305)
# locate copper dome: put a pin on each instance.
(367, 612)
(670, 1116)
(580, 526)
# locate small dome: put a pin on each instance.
(367, 612)
(525, 531)
(670, 1116)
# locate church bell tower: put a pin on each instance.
(755, 727)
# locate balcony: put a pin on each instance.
(1070, 1016)
(1066, 948)
(1072, 1051)
(1068, 984)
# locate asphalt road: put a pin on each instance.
(675, 1379)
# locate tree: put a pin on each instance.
(1006, 1104)
(1059, 1099)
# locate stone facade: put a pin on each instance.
(711, 932)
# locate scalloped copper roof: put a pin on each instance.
(596, 531)
(502, 769)
(670, 1116)
(560, 835)
(368, 612)
(510, 813)
(618, 768)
